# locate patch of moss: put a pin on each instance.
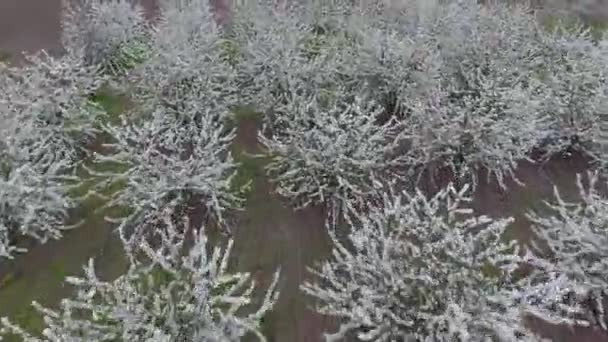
(113, 104)
(574, 25)
(242, 113)
(555, 22)
(129, 56)
(30, 320)
(250, 169)
(314, 44)
(267, 327)
(5, 56)
(156, 279)
(491, 271)
(7, 279)
(90, 183)
(231, 52)
(21, 291)
(524, 199)
(110, 166)
(598, 30)
(222, 288)
(58, 271)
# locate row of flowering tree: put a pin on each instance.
(358, 102)
(168, 153)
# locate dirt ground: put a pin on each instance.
(269, 234)
(29, 25)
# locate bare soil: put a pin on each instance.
(271, 236)
(29, 25)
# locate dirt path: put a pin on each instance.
(271, 235)
(29, 25)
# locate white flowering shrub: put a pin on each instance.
(575, 77)
(486, 112)
(52, 95)
(322, 85)
(33, 204)
(479, 87)
(47, 119)
(266, 46)
(186, 61)
(150, 162)
(395, 66)
(476, 134)
(420, 268)
(298, 48)
(309, 46)
(332, 151)
(177, 289)
(569, 282)
(112, 34)
(456, 76)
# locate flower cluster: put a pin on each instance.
(113, 35)
(475, 87)
(427, 269)
(569, 284)
(46, 119)
(176, 289)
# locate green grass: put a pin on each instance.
(47, 284)
(130, 55)
(231, 52)
(491, 271)
(5, 56)
(243, 113)
(43, 274)
(18, 309)
(113, 103)
(30, 319)
(58, 270)
(573, 25)
(91, 203)
(7, 279)
(267, 327)
(250, 168)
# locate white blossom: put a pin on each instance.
(331, 151)
(157, 158)
(46, 118)
(175, 141)
(569, 279)
(112, 34)
(49, 99)
(270, 45)
(176, 289)
(486, 112)
(323, 80)
(423, 269)
(575, 76)
(186, 61)
(33, 204)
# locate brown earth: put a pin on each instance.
(29, 25)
